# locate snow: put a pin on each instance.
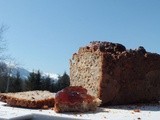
(125, 112)
(51, 75)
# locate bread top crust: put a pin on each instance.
(103, 47)
(115, 50)
(109, 47)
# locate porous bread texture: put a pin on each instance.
(29, 99)
(78, 107)
(85, 69)
(116, 75)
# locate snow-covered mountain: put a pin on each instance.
(24, 73)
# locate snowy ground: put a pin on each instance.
(129, 112)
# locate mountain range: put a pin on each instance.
(24, 73)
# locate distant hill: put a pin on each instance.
(24, 73)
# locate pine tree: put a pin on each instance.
(63, 81)
(3, 83)
(17, 83)
(37, 85)
(29, 83)
(34, 81)
(4, 77)
(46, 83)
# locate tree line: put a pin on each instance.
(35, 81)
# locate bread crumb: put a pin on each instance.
(45, 107)
(105, 117)
(137, 110)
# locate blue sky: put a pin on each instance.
(43, 34)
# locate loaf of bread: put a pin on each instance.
(115, 74)
(29, 99)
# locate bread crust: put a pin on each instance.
(78, 107)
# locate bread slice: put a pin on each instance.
(3, 96)
(29, 99)
(75, 99)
